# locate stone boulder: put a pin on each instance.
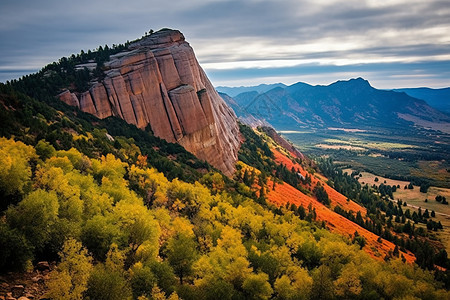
(43, 266)
(17, 290)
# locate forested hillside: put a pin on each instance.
(129, 216)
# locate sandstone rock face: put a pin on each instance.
(159, 82)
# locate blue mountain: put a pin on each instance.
(352, 103)
(437, 98)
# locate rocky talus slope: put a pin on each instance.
(158, 82)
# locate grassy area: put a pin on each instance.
(369, 178)
(438, 171)
(340, 146)
(414, 196)
(369, 145)
(415, 199)
(380, 165)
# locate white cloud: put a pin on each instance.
(232, 34)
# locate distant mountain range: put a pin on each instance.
(352, 103)
(437, 98)
(234, 91)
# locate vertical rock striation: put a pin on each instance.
(159, 82)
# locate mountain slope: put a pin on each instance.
(131, 232)
(284, 193)
(437, 98)
(352, 103)
(240, 110)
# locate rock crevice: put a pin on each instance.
(159, 82)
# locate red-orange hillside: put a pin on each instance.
(335, 197)
(285, 193)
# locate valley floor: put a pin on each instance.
(415, 200)
(419, 154)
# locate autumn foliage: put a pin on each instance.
(284, 193)
(124, 223)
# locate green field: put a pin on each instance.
(412, 155)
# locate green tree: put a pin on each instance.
(108, 281)
(424, 187)
(322, 287)
(164, 275)
(217, 289)
(360, 240)
(69, 280)
(35, 217)
(98, 235)
(44, 149)
(158, 294)
(256, 286)
(15, 168)
(301, 212)
(137, 226)
(15, 251)
(227, 261)
(142, 280)
(348, 285)
(321, 194)
(295, 284)
(181, 253)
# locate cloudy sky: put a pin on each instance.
(391, 43)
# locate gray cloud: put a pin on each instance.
(395, 35)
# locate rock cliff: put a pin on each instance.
(158, 82)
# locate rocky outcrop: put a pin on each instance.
(26, 285)
(282, 142)
(159, 82)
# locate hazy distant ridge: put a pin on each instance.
(234, 91)
(437, 98)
